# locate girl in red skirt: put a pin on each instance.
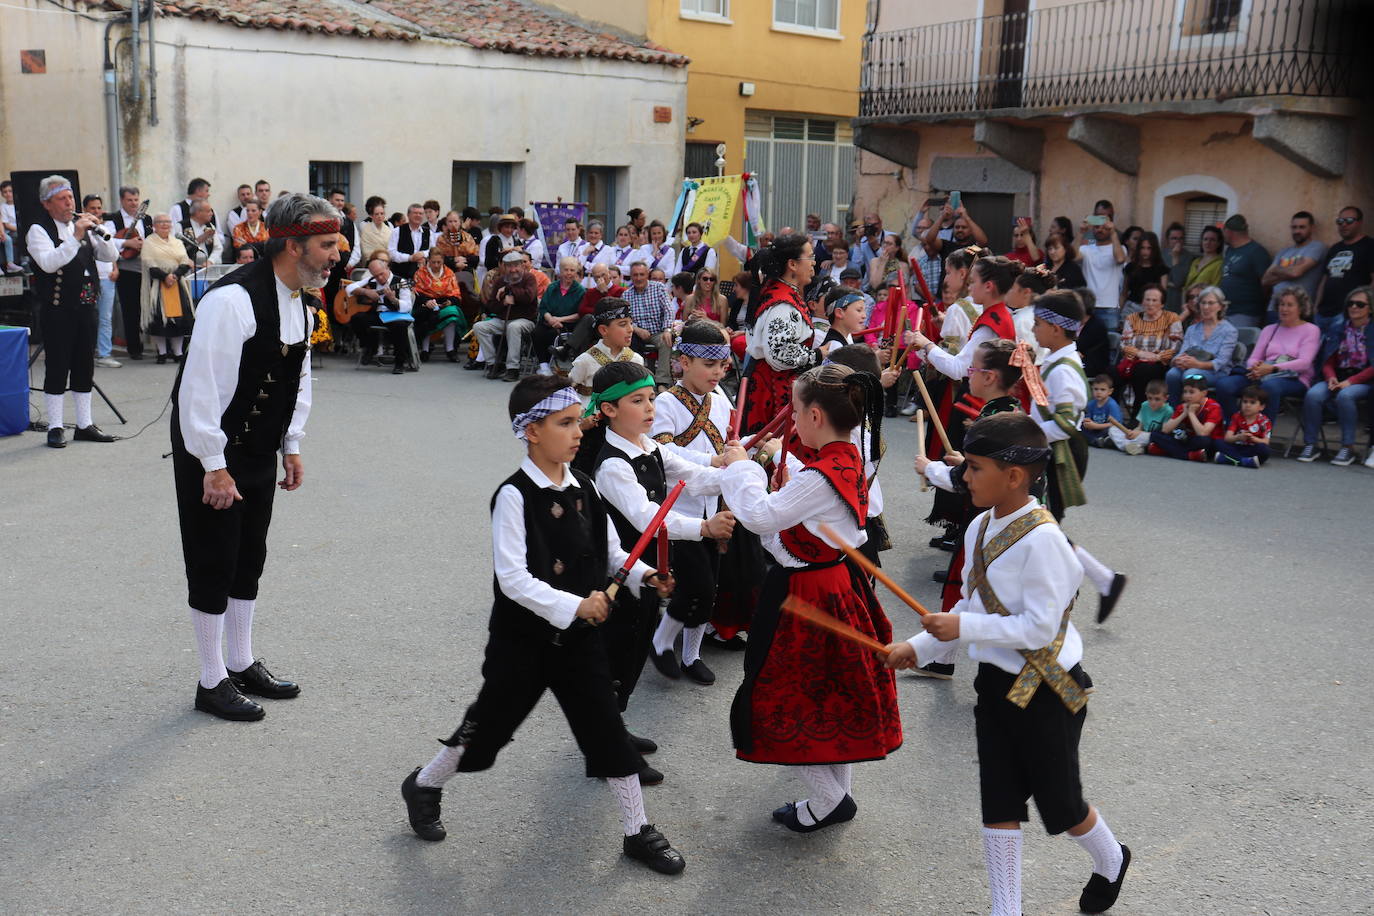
(782, 341)
(809, 698)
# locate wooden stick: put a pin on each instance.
(930, 409)
(897, 337)
(1117, 423)
(738, 418)
(771, 427)
(863, 563)
(468, 336)
(921, 444)
(816, 617)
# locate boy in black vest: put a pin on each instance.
(553, 549)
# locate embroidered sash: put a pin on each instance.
(661, 252)
(1041, 664)
(1065, 468)
(701, 422)
(603, 359)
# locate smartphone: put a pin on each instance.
(1096, 220)
(956, 200)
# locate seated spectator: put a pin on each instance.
(1094, 347)
(251, 230)
(458, 246)
(1284, 360)
(1099, 413)
(1208, 345)
(1062, 261)
(659, 276)
(385, 292)
(208, 245)
(1194, 428)
(374, 234)
(705, 300)
(659, 252)
(1149, 339)
(1206, 267)
(1149, 417)
(888, 267)
(438, 306)
(558, 310)
(1146, 268)
(1189, 315)
(1299, 264)
(511, 297)
(615, 328)
(1347, 377)
(1178, 259)
(651, 307)
(681, 288)
(1243, 264)
(738, 319)
(1024, 247)
(541, 279)
(246, 255)
(1246, 443)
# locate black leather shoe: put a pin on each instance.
(643, 745)
(257, 680)
(162, 359)
(226, 702)
(493, 371)
(935, 670)
(422, 807)
(473, 364)
(844, 811)
(451, 355)
(666, 663)
(653, 849)
(944, 543)
(1105, 606)
(650, 776)
(136, 355)
(697, 671)
(398, 367)
(92, 433)
(512, 375)
(424, 356)
(56, 437)
(1099, 894)
(940, 575)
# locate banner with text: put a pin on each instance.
(551, 217)
(713, 206)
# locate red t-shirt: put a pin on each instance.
(1258, 426)
(1023, 255)
(1210, 413)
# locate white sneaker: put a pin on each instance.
(544, 369)
(1369, 458)
(909, 409)
(106, 362)
(1134, 447)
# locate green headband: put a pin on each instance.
(615, 393)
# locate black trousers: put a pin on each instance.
(224, 549)
(515, 674)
(129, 286)
(695, 567)
(544, 336)
(628, 632)
(395, 332)
(68, 347)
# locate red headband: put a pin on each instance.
(319, 227)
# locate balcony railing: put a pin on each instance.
(1118, 52)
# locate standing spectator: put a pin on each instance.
(1297, 265)
(375, 232)
(1024, 247)
(9, 225)
(573, 243)
(558, 310)
(695, 254)
(1101, 257)
(458, 244)
(1206, 268)
(1146, 268)
(238, 214)
(590, 255)
(815, 231)
(869, 246)
(262, 190)
(1347, 377)
(888, 268)
(1243, 269)
(1060, 227)
(1130, 239)
(197, 190)
(250, 230)
(527, 235)
(1283, 363)
(432, 211)
(409, 243)
(512, 298)
(1349, 263)
(1062, 260)
(965, 232)
(658, 253)
(107, 271)
(925, 258)
(652, 308)
(1208, 345)
(1094, 348)
(833, 239)
(1178, 259)
(624, 252)
(1149, 339)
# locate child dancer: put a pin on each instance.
(633, 474)
(692, 419)
(845, 309)
(553, 549)
(615, 327)
(862, 358)
(1246, 444)
(810, 699)
(1021, 577)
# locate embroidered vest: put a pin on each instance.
(843, 468)
(997, 319)
(75, 283)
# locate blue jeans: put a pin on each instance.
(103, 338)
(1275, 389)
(1174, 379)
(1110, 317)
(9, 248)
(1314, 405)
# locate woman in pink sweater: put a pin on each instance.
(1283, 361)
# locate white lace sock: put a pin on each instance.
(239, 628)
(161, 344)
(82, 400)
(1100, 575)
(441, 769)
(450, 332)
(209, 631)
(691, 643)
(844, 775)
(1002, 854)
(826, 793)
(52, 406)
(631, 798)
(667, 631)
(1103, 847)
(176, 345)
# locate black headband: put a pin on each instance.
(1022, 455)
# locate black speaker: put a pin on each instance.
(27, 207)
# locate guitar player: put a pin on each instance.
(129, 225)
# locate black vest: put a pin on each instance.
(649, 472)
(405, 244)
(260, 411)
(565, 546)
(134, 264)
(63, 288)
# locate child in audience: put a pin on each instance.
(1194, 428)
(615, 327)
(1246, 443)
(1149, 417)
(1101, 410)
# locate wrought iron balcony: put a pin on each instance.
(1107, 53)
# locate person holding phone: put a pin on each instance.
(1102, 257)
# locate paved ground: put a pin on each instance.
(1228, 741)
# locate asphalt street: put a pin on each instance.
(1227, 741)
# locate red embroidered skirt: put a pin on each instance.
(769, 390)
(808, 696)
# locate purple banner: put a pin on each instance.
(551, 218)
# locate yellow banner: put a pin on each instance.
(714, 207)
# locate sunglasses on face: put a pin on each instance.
(1345, 220)
(1358, 303)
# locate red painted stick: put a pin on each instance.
(738, 417)
(662, 550)
(643, 543)
(921, 281)
(770, 428)
(780, 473)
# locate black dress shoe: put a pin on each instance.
(162, 359)
(424, 356)
(452, 355)
(135, 355)
(844, 811)
(422, 807)
(225, 701)
(92, 433)
(935, 670)
(512, 375)
(1105, 606)
(56, 437)
(643, 745)
(697, 671)
(367, 359)
(398, 367)
(475, 364)
(650, 776)
(944, 543)
(666, 663)
(653, 849)
(940, 575)
(1099, 894)
(257, 680)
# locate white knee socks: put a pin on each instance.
(52, 404)
(667, 631)
(1103, 847)
(442, 768)
(631, 798)
(209, 631)
(239, 627)
(176, 345)
(1100, 575)
(82, 399)
(691, 643)
(161, 344)
(1002, 854)
(826, 793)
(450, 332)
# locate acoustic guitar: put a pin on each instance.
(346, 306)
(131, 230)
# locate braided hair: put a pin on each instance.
(848, 399)
(1038, 279)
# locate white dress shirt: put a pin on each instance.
(417, 238)
(210, 250)
(224, 322)
(806, 499)
(955, 365)
(620, 257)
(1063, 386)
(689, 252)
(405, 297)
(52, 258)
(617, 482)
(534, 247)
(671, 417)
(667, 258)
(508, 553)
(734, 247)
(1035, 579)
(571, 249)
(591, 256)
(232, 217)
